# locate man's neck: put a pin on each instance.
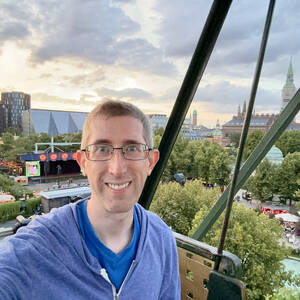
(115, 230)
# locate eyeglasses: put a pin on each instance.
(105, 152)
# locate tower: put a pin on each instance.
(194, 118)
(289, 89)
(244, 108)
(239, 111)
(12, 105)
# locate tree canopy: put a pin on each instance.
(252, 141)
(12, 148)
(262, 184)
(253, 237)
(287, 175)
(289, 142)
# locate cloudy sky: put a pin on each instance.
(71, 54)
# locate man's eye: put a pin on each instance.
(102, 148)
(132, 148)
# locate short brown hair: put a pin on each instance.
(111, 108)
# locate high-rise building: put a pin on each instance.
(12, 105)
(195, 118)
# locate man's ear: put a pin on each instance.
(153, 159)
(81, 160)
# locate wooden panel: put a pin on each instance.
(194, 273)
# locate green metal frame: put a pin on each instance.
(245, 128)
(269, 139)
(205, 46)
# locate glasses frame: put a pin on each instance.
(146, 149)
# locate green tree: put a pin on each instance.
(192, 167)
(177, 205)
(212, 162)
(285, 293)
(254, 239)
(7, 144)
(289, 142)
(252, 141)
(287, 175)
(159, 131)
(205, 153)
(261, 184)
(17, 190)
(178, 160)
(220, 169)
(13, 130)
(235, 139)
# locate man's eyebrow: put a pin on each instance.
(125, 142)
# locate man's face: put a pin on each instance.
(116, 184)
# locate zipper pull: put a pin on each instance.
(104, 274)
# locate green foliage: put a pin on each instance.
(212, 162)
(17, 190)
(31, 206)
(287, 175)
(11, 149)
(298, 205)
(262, 183)
(177, 205)
(160, 131)
(198, 159)
(285, 293)
(254, 239)
(235, 139)
(9, 210)
(289, 142)
(156, 141)
(219, 168)
(178, 160)
(13, 130)
(252, 141)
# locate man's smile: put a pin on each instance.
(119, 186)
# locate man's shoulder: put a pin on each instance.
(153, 221)
(45, 227)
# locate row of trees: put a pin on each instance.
(198, 159)
(270, 180)
(12, 147)
(289, 142)
(253, 237)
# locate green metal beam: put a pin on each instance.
(269, 139)
(188, 88)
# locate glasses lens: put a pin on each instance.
(135, 151)
(99, 152)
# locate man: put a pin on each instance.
(106, 247)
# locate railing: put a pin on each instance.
(199, 281)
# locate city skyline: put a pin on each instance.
(70, 55)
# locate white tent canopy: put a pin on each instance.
(288, 217)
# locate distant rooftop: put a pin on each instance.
(53, 122)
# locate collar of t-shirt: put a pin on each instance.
(116, 265)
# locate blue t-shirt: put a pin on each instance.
(116, 265)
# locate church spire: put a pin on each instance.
(239, 111)
(244, 108)
(290, 76)
(289, 89)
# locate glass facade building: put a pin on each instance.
(12, 106)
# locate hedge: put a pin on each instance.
(31, 206)
(10, 210)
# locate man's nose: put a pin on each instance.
(117, 164)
